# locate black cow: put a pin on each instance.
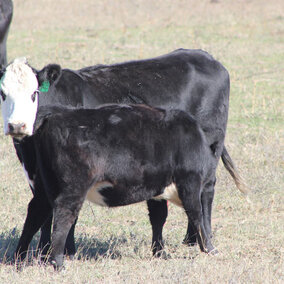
(6, 12)
(190, 80)
(116, 155)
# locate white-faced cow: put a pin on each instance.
(6, 12)
(118, 155)
(189, 80)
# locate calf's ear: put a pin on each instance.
(50, 73)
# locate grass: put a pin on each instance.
(114, 244)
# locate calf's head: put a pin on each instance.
(20, 86)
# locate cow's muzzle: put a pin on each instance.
(17, 130)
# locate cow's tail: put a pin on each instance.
(230, 167)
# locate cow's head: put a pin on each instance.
(20, 86)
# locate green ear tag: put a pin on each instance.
(44, 87)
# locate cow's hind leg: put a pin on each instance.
(158, 212)
(189, 189)
(65, 214)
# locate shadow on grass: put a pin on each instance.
(8, 244)
(87, 248)
(92, 248)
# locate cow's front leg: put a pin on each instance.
(38, 211)
(158, 212)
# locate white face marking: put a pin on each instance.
(170, 193)
(19, 84)
(31, 182)
(94, 195)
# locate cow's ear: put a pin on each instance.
(50, 73)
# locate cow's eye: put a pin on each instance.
(2, 95)
(33, 97)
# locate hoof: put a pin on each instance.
(213, 252)
(190, 241)
(70, 253)
(43, 250)
(71, 256)
(19, 265)
(57, 262)
(43, 258)
(56, 266)
(19, 260)
(162, 255)
(53, 263)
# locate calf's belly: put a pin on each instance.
(170, 193)
(96, 195)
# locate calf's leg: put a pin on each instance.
(190, 236)
(70, 248)
(189, 190)
(158, 212)
(65, 215)
(44, 242)
(207, 197)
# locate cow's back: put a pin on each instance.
(6, 11)
(189, 80)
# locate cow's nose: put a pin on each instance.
(16, 128)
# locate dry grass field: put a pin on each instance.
(247, 36)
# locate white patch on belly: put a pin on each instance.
(94, 195)
(170, 193)
(31, 182)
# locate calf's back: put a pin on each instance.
(126, 153)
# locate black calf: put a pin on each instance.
(119, 155)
